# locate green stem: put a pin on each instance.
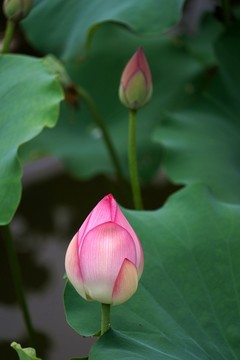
(8, 36)
(17, 279)
(100, 123)
(226, 6)
(132, 157)
(105, 318)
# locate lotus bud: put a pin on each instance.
(104, 260)
(136, 82)
(16, 10)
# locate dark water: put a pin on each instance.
(51, 211)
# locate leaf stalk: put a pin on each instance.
(132, 158)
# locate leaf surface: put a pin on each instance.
(68, 25)
(187, 304)
(30, 95)
(202, 140)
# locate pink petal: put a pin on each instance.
(101, 256)
(129, 70)
(143, 65)
(122, 221)
(103, 212)
(72, 267)
(137, 62)
(126, 283)
(107, 210)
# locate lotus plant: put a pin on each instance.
(104, 260)
(135, 91)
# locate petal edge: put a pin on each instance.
(126, 283)
(72, 266)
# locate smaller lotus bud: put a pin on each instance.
(136, 82)
(16, 10)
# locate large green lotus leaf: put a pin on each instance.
(67, 24)
(202, 140)
(30, 95)
(78, 141)
(187, 303)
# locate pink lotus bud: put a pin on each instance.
(136, 82)
(104, 260)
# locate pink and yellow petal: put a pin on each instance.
(129, 71)
(126, 283)
(72, 267)
(143, 65)
(121, 220)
